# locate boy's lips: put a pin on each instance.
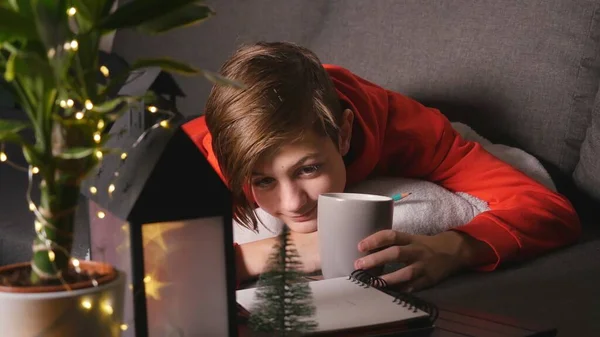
(309, 215)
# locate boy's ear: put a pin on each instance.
(345, 131)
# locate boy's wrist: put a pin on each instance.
(469, 251)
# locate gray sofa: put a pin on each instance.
(522, 73)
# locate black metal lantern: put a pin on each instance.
(160, 213)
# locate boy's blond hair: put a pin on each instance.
(287, 93)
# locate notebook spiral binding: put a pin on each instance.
(409, 301)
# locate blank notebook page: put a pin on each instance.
(343, 304)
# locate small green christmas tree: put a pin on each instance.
(283, 294)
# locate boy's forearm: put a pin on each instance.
(469, 251)
(251, 258)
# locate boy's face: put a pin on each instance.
(287, 185)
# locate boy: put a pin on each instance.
(301, 128)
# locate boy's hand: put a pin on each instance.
(428, 259)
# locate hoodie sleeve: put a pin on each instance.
(525, 218)
(401, 137)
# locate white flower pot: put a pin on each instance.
(87, 311)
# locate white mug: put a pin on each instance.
(345, 219)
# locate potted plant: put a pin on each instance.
(49, 58)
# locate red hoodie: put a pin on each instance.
(394, 135)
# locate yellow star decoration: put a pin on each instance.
(154, 233)
(153, 287)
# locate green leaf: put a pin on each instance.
(51, 21)
(166, 64)
(32, 155)
(136, 12)
(185, 16)
(76, 153)
(10, 68)
(219, 79)
(86, 62)
(12, 138)
(11, 126)
(14, 25)
(112, 105)
(89, 12)
(22, 6)
(29, 67)
(89, 9)
(9, 131)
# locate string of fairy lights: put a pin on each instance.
(41, 221)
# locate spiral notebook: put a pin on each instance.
(357, 302)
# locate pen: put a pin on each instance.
(400, 196)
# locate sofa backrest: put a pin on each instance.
(524, 73)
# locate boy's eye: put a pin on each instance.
(263, 183)
(310, 169)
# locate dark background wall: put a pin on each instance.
(16, 222)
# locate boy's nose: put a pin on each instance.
(293, 199)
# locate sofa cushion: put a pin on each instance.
(587, 172)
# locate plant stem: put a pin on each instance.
(59, 198)
(58, 206)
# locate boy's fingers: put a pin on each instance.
(384, 238)
(406, 254)
(407, 275)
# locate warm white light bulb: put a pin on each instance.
(51, 256)
(101, 214)
(147, 279)
(74, 45)
(75, 262)
(97, 137)
(38, 226)
(124, 327)
(31, 206)
(99, 154)
(67, 45)
(152, 109)
(79, 115)
(101, 124)
(93, 190)
(70, 103)
(104, 70)
(86, 304)
(111, 188)
(123, 155)
(35, 170)
(63, 103)
(164, 123)
(107, 308)
(89, 105)
(71, 11)
(3, 157)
